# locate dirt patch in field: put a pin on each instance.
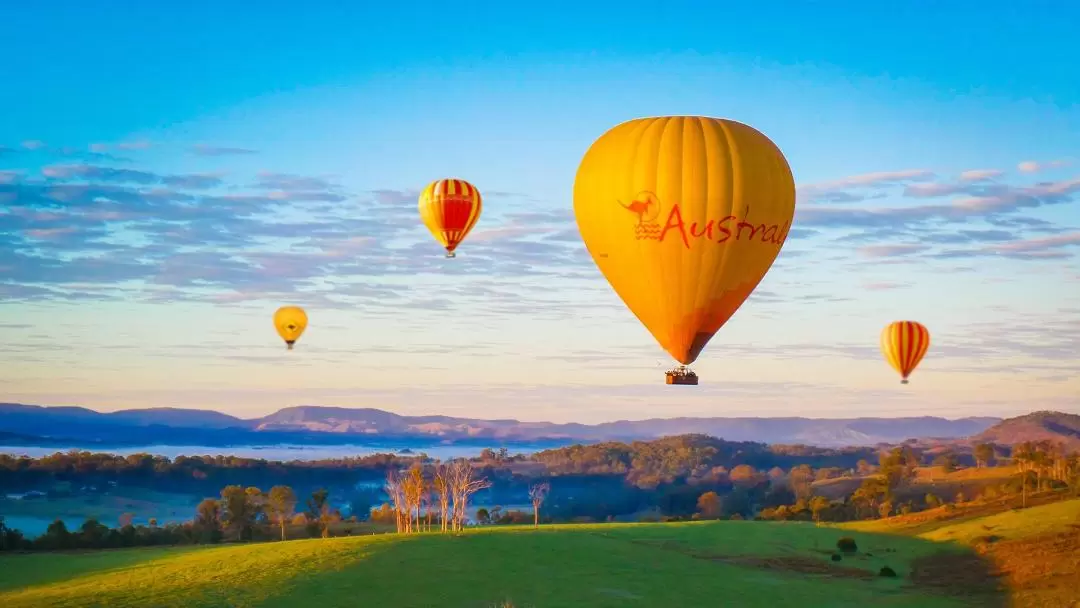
(799, 565)
(787, 563)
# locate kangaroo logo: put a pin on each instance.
(646, 206)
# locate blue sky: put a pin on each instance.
(171, 175)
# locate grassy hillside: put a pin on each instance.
(1037, 426)
(1034, 553)
(687, 564)
(928, 480)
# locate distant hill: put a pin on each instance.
(318, 424)
(1037, 426)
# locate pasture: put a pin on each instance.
(729, 563)
(1032, 554)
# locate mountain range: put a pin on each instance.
(33, 424)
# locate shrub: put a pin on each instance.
(887, 572)
(847, 545)
(836, 557)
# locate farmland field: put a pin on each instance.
(729, 563)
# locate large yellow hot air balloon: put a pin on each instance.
(684, 215)
(904, 344)
(290, 323)
(449, 208)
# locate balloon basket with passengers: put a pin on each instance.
(681, 375)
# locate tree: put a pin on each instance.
(947, 461)
(463, 484)
(709, 505)
(280, 506)
(984, 454)
(208, 520)
(238, 513)
(396, 493)
(414, 486)
(818, 506)
(441, 487)
(537, 493)
(744, 475)
(802, 480)
(319, 511)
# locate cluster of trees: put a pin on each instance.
(192, 474)
(649, 464)
(241, 514)
(888, 489)
(439, 494)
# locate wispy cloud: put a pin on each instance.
(1031, 166)
(853, 188)
(208, 150)
(978, 175)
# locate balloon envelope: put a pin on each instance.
(290, 323)
(450, 208)
(684, 216)
(904, 344)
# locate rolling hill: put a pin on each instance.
(1037, 426)
(750, 564)
(319, 424)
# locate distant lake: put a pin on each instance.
(285, 452)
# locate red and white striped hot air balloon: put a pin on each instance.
(904, 344)
(449, 208)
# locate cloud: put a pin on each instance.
(837, 191)
(206, 150)
(1040, 248)
(980, 201)
(33, 144)
(978, 175)
(883, 286)
(108, 174)
(884, 251)
(100, 232)
(129, 145)
(1031, 166)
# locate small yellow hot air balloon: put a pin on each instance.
(684, 215)
(450, 208)
(290, 323)
(904, 344)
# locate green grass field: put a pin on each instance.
(1034, 553)
(732, 563)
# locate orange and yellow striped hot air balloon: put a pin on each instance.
(449, 208)
(904, 344)
(684, 215)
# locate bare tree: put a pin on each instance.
(441, 486)
(413, 489)
(537, 493)
(395, 491)
(463, 484)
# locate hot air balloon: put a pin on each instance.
(290, 323)
(449, 209)
(904, 344)
(683, 215)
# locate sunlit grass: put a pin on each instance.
(684, 564)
